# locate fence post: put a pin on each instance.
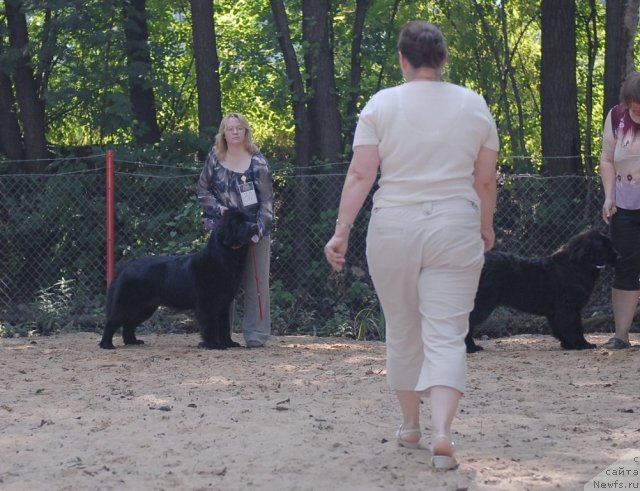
(110, 214)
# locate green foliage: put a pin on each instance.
(365, 324)
(369, 324)
(252, 73)
(78, 49)
(543, 213)
(54, 230)
(6, 330)
(157, 216)
(53, 305)
(289, 312)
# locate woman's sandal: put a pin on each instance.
(616, 343)
(402, 431)
(443, 460)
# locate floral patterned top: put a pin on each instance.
(622, 149)
(219, 188)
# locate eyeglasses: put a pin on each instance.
(235, 129)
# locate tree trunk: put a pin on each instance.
(207, 67)
(362, 6)
(302, 134)
(10, 137)
(503, 59)
(146, 130)
(388, 33)
(558, 89)
(29, 102)
(47, 58)
(620, 32)
(302, 189)
(323, 100)
(593, 45)
(326, 123)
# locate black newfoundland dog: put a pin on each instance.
(206, 281)
(556, 286)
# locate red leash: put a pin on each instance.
(255, 274)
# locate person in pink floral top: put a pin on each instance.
(620, 174)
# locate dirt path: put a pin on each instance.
(301, 414)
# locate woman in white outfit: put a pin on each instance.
(435, 145)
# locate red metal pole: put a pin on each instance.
(110, 214)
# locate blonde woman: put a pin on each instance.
(236, 175)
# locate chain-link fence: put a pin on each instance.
(52, 237)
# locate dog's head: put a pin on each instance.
(235, 229)
(591, 249)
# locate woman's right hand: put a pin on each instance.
(488, 237)
(608, 209)
(336, 250)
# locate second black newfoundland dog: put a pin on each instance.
(556, 286)
(206, 281)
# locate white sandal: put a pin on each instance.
(443, 462)
(402, 431)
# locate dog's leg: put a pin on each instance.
(207, 320)
(224, 327)
(578, 335)
(107, 335)
(483, 307)
(472, 347)
(584, 344)
(129, 327)
(567, 327)
(128, 324)
(114, 320)
(129, 334)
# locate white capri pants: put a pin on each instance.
(425, 261)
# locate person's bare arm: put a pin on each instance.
(486, 188)
(359, 181)
(608, 171)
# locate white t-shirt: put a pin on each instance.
(428, 136)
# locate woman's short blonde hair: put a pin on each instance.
(220, 144)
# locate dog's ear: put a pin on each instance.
(605, 254)
(591, 249)
(581, 249)
(579, 254)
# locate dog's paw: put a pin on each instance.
(587, 345)
(474, 349)
(578, 346)
(133, 342)
(232, 344)
(205, 345)
(106, 345)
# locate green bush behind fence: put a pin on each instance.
(53, 226)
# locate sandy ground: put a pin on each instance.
(303, 413)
